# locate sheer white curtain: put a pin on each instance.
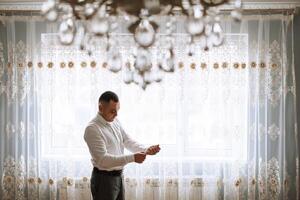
(225, 119)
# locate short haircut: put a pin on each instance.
(108, 96)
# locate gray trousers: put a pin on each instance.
(107, 186)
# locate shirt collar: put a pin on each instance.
(102, 120)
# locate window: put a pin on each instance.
(201, 111)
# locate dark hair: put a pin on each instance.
(107, 96)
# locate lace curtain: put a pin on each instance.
(226, 119)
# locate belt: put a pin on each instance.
(110, 173)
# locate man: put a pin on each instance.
(106, 140)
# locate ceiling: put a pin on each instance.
(247, 4)
(244, 1)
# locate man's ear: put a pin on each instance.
(100, 107)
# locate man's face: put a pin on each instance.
(109, 110)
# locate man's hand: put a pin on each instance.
(139, 157)
(152, 150)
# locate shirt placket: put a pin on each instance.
(115, 135)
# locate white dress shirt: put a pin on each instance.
(106, 142)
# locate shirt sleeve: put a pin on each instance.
(97, 148)
(131, 144)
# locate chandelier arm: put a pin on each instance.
(76, 13)
(183, 11)
(98, 7)
(77, 16)
(207, 5)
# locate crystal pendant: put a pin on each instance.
(238, 4)
(99, 25)
(114, 60)
(217, 28)
(198, 11)
(67, 31)
(148, 77)
(236, 15)
(52, 15)
(217, 39)
(194, 26)
(48, 6)
(208, 29)
(166, 61)
(138, 79)
(157, 75)
(143, 60)
(202, 41)
(191, 49)
(89, 9)
(128, 76)
(209, 41)
(49, 10)
(144, 34)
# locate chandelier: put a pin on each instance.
(88, 19)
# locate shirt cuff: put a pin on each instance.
(145, 149)
(129, 158)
